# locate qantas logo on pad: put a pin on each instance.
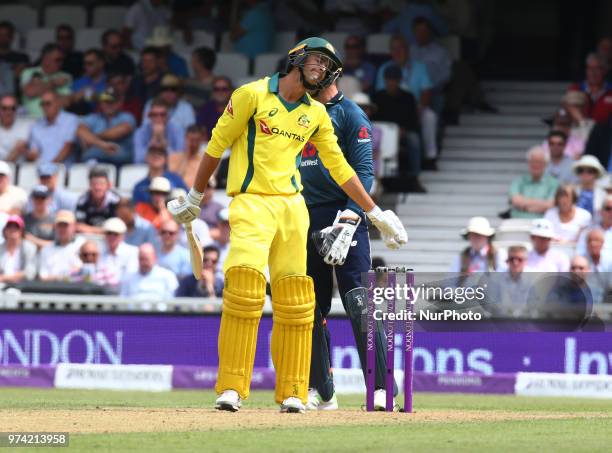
(264, 127)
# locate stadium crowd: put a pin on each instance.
(135, 100)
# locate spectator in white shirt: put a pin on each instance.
(12, 198)
(150, 281)
(17, 255)
(59, 260)
(605, 224)
(53, 136)
(567, 219)
(542, 258)
(14, 132)
(122, 258)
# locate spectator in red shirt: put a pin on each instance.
(598, 90)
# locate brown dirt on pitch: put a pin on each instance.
(122, 420)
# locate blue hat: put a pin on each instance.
(47, 169)
(40, 191)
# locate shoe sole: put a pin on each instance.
(226, 407)
(292, 410)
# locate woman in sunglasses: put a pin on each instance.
(589, 170)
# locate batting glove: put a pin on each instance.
(185, 210)
(391, 229)
(333, 242)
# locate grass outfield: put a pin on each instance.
(183, 421)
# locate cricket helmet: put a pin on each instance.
(309, 46)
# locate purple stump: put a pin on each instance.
(370, 343)
(408, 346)
(390, 331)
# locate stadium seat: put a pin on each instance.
(36, 38)
(233, 65)
(266, 64)
(284, 41)
(349, 85)
(78, 177)
(336, 38)
(88, 38)
(514, 230)
(452, 43)
(23, 17)
(28, 175)
(129, 175)
(73, 15)
(200, 39)
(378, 43)
(389, 147)
(108, 16)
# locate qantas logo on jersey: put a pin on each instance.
(276, 131)
(363, 136)
(230, 108)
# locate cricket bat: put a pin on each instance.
(195, 252)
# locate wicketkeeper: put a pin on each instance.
(340, 243)
(266, 124)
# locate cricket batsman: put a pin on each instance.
(341, 244)
(266, 124)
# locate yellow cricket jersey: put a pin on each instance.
(267, 134)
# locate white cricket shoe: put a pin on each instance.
(228, 401)
(315, 402)
(380, 401)
(293, 405)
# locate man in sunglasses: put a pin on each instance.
(87, 89)
(180, 111)
(158, 131)
(266, 124)
(14, 132)
(209, 113)
(510, 288)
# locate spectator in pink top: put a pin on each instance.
(542, 258)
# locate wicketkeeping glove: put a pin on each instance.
(333, 242)
(390, 227)
(185, 210)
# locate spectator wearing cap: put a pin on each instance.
(155, 210)
(355, 63)
(480, 255)
(115, 58)
(559, 164)
(158, 131)
(399, 106)
(156, 159)
(589, 170)
(198, 88)
(73, 59)
(599, 92)
(53, 136)
(145, 84)
(416, 80)
(209, 113)
(59, 259)
(86, 89)
(567, 219)
(186, 163)
(604, 223)
(17, 255)
(171, 255)
(48, 174)
(163, 40)
(139, 230)
(39, 221)
(210, 283)
(120, 83)
(12, 198)
(223, 237)
(150, 281)
(106, 136)
(118, 256)
(210, 208)
(91, 270)
(141, 19)
(14, 131)
(532, 194)
(543, 258)
(48, 77)
(180, 111)
(98, 204)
